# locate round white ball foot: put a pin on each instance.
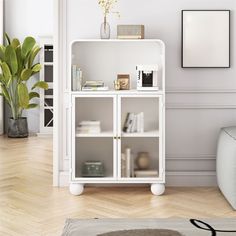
(157, 189)
(76, 189)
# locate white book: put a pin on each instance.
(130, 122)
(90, 122)
(141, 122)
(123, 165)
(88, 131)
(132, 165)
(88, 128)
(134, 124)
(74, 67)
(138, 123)
(78, 79)
(94, 82)
(128, 161)
(105, 88)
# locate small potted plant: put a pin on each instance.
(17, 68)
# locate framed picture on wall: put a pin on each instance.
(205, 38)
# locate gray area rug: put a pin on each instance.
(143, 232)
(150, 227)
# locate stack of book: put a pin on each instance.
(127, 164)
(89, 127)
(146, 173)
(94, 85)
(134, 123)
(76, 78)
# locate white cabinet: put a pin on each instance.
(110, 108)
(106, 146)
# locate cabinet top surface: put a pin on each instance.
(118, 40)
(119, 92)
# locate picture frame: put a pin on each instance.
(205, 39)
(124, 81)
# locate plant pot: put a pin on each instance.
(18, 128)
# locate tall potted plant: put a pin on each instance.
(17, 68)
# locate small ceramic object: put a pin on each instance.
(143, 161)
(117, 85)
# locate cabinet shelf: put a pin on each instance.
(106, 178)
(118, 92)
(98, 135)
(152, 134)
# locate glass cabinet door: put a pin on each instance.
(93, 132)
(139, 126)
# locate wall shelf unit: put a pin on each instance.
(103, 60)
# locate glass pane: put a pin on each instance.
(94, 157)
(48, 53)
(48, 118)
(48, 73)
(139, 114)
(48, 102)
(94, 114)
(48, 92)
(140, 157)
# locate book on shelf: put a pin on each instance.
(123, 165)
(94, 85)
(89, 127)
(76, 78)
(105, 88)
(146, 173)
(91, 122)
(134, 123)
(128, 159)
(127, 164)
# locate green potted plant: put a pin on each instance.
(17, 68)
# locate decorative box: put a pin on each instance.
(93, 169)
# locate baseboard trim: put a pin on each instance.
(173, 179)
(193, 157)
(181, 106)
(199, 90)
(191, 179)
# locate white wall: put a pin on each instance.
(199, 101)
(24, 18)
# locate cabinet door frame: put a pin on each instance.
(161, 159)
(73, 177)
(43, 129)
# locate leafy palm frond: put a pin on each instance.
(17, 67)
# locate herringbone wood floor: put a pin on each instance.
(29, 205)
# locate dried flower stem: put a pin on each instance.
(107, 6)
